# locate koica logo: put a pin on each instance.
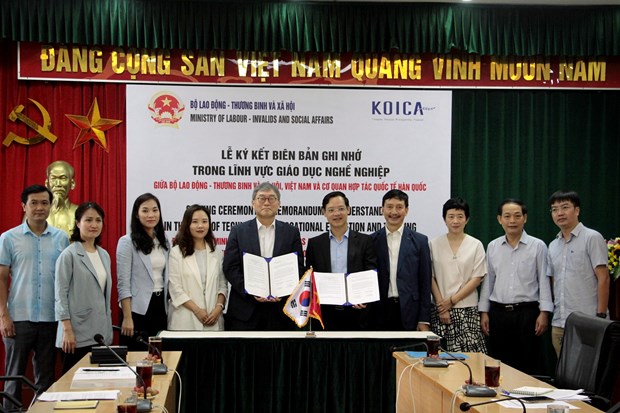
(396, 108)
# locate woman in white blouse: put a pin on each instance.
(83, 286)
(459, 266)
(197, 284)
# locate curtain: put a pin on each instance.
(288, 375)
(318, 27)
(99, 175)
(527, 144)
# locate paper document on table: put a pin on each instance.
(78, 395)
(531, 391)
(513, 404)
(270, 277)
(567, 394)
(76, 405)
(98, 377)
(347, 289)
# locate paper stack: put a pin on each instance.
(103, 377)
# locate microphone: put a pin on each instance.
(409, 347)
(142, 405)
(471, 389)
(158, 368)
(427, 361)
(466, 406)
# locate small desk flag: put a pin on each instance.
(303, 302)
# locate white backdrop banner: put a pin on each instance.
(212, 145)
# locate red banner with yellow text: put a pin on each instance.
(133, 65)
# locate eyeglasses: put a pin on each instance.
(334, 210)
(262, 199)
(563, 208)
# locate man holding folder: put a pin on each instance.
(266, 237)
(341, 250)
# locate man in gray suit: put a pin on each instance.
(267, 237)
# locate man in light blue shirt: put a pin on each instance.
(515, 300)
(341, 250)
(28, 254)
(577, 265)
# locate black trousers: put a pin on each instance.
(266, 317)
(512, 337)
(347, 318)
(149, 324)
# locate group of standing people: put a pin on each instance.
(525, 286)
(499, 302)
(61, 293)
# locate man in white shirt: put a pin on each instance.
(515, 300)
(404, 266)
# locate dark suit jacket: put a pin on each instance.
(244, 238)
(360, 257)
(413, 275)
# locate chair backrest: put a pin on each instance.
(614, 409)
(590, 356)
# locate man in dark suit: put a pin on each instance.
(341, 250)
(266, 237)
(404, 269)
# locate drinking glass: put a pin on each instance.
(144, 368)
(491, 372)
(155, 348)
(432, 344)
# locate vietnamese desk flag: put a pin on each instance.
(315, 304)
(302, 303)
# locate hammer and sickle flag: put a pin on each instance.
(43, 131)
(92, 126)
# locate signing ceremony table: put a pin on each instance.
(165, 383)
(432, 388)
(274, 371)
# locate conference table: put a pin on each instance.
(165, 383)
(432, 389)
(288, 371)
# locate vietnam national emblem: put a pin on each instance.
(166, 109)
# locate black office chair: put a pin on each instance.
(17, 406)
(590, 357)
(614, 409)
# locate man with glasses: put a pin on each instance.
(404, 269)
(341, 250)
(266, 237)
(577, 264)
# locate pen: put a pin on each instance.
(505, 393)
(100, 370)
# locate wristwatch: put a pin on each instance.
(601, 315)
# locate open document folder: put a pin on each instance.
(270, 277)
(347, 289)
